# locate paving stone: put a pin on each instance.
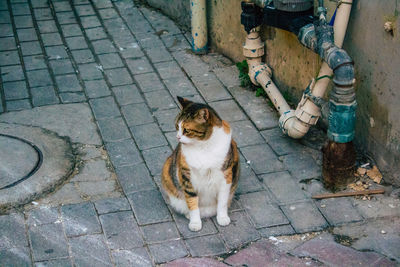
(283, 186)
(7, 43)
(262, 159)
(76, 42)
(94, 170)
(135, 178)
(245, 134)
(30, 48)
(175, 42)
(148, 136)
(210, 87)
(138, 66)
(48, 241)
(118, 76)
(338, 211)
(61, 66)
(90, 71)
(80, 2)
(56, 52)
(39, 3)
(113, 129)
(80, 219)
(302, 166)
(229, 76)
(50, 39)
(195, 262)
(62, 6)
(34, 62)
(276, 231)
(155, 158)
(95, 33)
(304, 217)
(66, 17)
(82, 56)
(149, 207)
(70, 30)
(23, 21)
(84, 10)
(206, 246)
(262, 252)
(109, 61)
(334, 254)
(168, 70)
(15, 90)
(228, 110)
(133, 257)
(66, 262)
(127, 94)
(381, 206)
(20, 9)
(28, 34)
(43, 215)
(159, 100)
(192, 64)
(12, 231)
(18, 256)
(14, 105)
(104, 107)
(248, 181)
(180, 87)
(47, 26)
(6, 30)
(12, 73)
(5, 15)
(109, 205)
(158, 54)
(123, 153)
(65, 195)
(208, 227)
(137, 114)
(72, 97)
(103, 47)
(149, 82)
(108, 13)
(99, 189)
(90, 250)
(263, 116)
(121, 230)
(90, 22)
(168, 251)
(42, 13)
(166, 119)
(102, 3)
(262, 212)
(281, 144)
(44, 96)
(97, 88)
(9, 58)
(68, 83)
(239, 232)
(160, 232)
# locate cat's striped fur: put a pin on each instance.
(201, 175)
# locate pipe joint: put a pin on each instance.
(291, 126)
(342, 119)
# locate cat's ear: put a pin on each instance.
(183, 101)
(202, 115)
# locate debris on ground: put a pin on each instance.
(375, 174)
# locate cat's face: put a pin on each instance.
(195, 122)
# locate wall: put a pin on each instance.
(377, 62)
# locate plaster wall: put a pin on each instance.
(375, 52)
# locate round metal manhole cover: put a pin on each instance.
(19, 159)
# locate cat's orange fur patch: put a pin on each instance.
(226, 126)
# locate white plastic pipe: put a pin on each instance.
(199, 26)
(296, 123)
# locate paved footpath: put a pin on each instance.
(105, 74)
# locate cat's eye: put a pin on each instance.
(184, 131)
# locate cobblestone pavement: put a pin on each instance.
(106, 74)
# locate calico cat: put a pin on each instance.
(201, 175)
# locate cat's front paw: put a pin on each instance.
(223, 220)
(195, 226)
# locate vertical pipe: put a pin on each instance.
(199, 26)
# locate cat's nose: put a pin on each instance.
(178, 137)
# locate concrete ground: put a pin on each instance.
(103, 76)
